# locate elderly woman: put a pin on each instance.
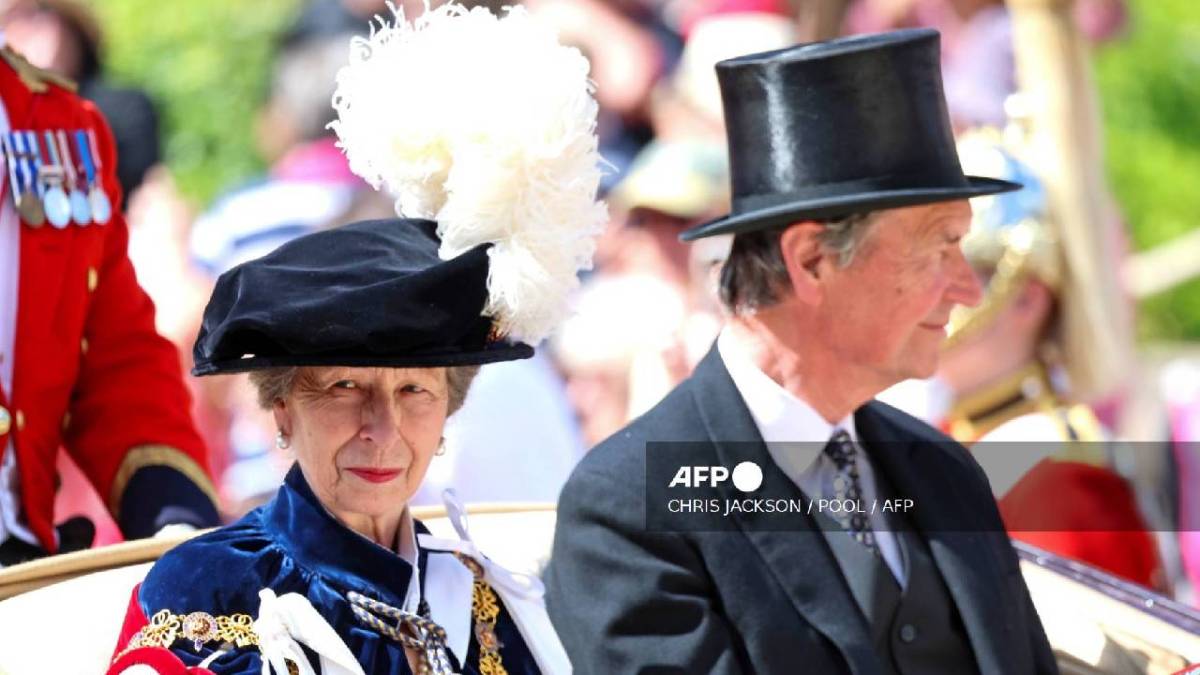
(361, 342)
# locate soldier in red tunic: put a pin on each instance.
(81, 366)
(1016, 376)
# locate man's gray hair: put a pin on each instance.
(754, 273)
(275, 384)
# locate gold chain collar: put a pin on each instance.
(199, 627)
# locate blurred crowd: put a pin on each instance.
(648, 311)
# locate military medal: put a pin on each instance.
(33, 154)
(55, 201)
(28, 204)
(101, 205)
(81, 211)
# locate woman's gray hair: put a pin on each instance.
(754, 273)
(275, 384)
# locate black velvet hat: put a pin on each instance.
(374, 293)
(827, 129)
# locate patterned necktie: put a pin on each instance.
(846, 486)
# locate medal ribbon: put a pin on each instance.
(52, 150)
(95, 150)
(10, 153)
(17, 141)
(68, 165)
(81, 143)
(35, 154)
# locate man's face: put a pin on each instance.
(885, 313)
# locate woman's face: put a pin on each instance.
(364, 437)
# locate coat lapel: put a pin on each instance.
(797, 555)
(943, 517)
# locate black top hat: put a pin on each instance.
(374, 293)
(827, 129)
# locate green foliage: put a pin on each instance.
(1150, 91)
(206, 64)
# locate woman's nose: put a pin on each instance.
(381, 422)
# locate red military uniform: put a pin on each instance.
(1070, 502)
(90, 372)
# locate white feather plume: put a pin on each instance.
(487, 125)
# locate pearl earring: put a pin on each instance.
(441, 448)
(282, 441)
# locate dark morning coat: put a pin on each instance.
(625, 600)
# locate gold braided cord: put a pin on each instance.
(412, 631)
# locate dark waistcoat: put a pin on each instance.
(914, 630)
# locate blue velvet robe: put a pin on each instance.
(293, 545)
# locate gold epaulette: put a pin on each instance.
(37, 79)
(1025, 391)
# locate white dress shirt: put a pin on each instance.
(10, 272)
(795, 434)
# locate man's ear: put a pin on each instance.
(800, 247)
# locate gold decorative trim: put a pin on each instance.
(485, 609)
(141, 456)
(1085, 424)
(1024, 391)
(200, 628)
(1086, 438)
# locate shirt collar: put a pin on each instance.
(780, 415)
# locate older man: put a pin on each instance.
(849, 204)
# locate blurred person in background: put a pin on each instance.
(630, 46)
(1012, 382)
(327, 18)
(81, 366)
(650, 313)
(977, 47)
(1180, 383)
(65, 37)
